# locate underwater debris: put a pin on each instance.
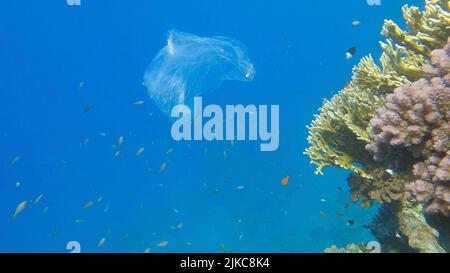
(190, 65)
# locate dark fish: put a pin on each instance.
(87, 108)
(350, 222)
(352, 50)
(339, 188)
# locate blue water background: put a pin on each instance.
(47, 48)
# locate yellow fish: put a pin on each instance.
(20, 208)
(119, 142)
(88, 204)
(140, 151)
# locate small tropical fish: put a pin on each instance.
(101, 242)
(37, 199)
(45, 210)
(170, 151)
(339, 188)
(55, 232)
(339, 214)
(139, 102)
(240, 187)
(119, 142)
(162, 244)
(323, 200)
(356, 23)
(81, 85)
(216, 191)
(140, 151)
(100, 198)
(17, 184)
(85, 141)
(176, 211)
(20, 208)
(150, 115)
(349, 54)
(103, 134)
(225, 155)
(180, 225)
(105, 210)
(163, 167)
(322, 214)
(87, 108)
(88, 205)
(346, 205)
(350, 222)
(188, 243)
(117, 154)
(80, 221)
(222, 247)
(240, 237)
(15, 160)
(285, 181)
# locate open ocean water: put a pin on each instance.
(70, 77)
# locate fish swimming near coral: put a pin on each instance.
(350, 52)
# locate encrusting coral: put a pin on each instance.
(396, 143)
(339, 133)
(416, 120)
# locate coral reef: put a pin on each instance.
(390, 128)
(340, 131)
(416, 120)
(350, 248)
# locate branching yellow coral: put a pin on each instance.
(339, 132)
